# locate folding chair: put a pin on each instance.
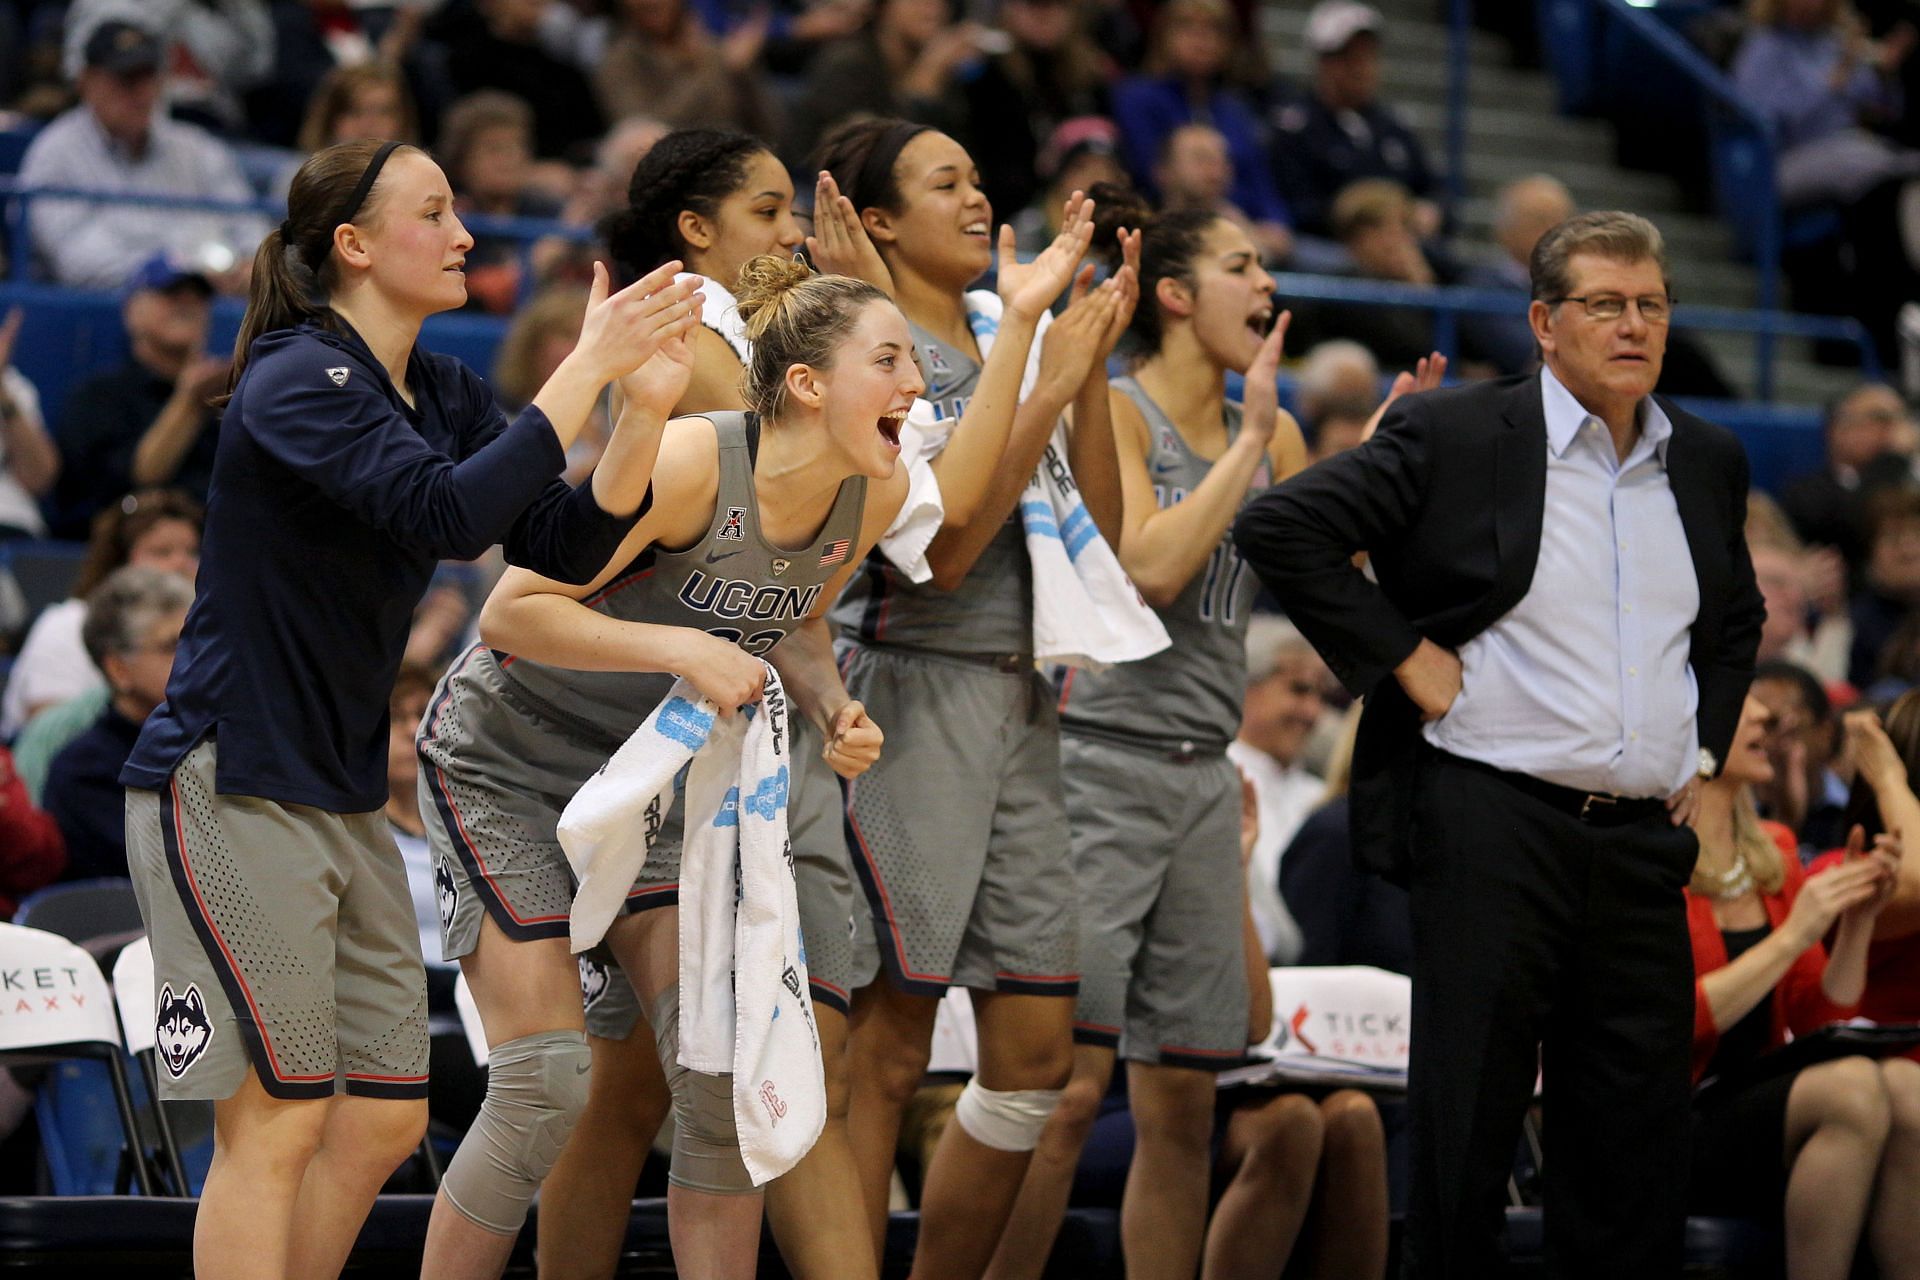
(133, 998)
(55, 1007)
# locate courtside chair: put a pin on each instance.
(134, 999)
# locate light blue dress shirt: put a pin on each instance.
(1585, 682)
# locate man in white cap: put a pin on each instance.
(1338, 131)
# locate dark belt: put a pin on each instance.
(1595, 808)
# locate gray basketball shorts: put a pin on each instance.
(959, 833)
(496, 771)
(283, 938)
(1156, 854)
(823, 884)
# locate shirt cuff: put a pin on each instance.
(596, 520)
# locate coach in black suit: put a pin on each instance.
(1556, 651)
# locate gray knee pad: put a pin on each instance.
(706, 1147)
(536, 1089)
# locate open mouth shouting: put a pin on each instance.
(1260, 321)
(889, 425)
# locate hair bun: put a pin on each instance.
(765, 285)
(1117, 207)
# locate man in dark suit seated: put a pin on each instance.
(1554, 651)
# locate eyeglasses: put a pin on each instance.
(1654, 308)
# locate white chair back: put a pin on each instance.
(51, 993)
(133, 994)
(1349, 1013)
(470, 1019)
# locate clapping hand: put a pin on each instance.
(840, 245)
(1260, 408)
(1429, 373)
(1029, 288)
(656, 386)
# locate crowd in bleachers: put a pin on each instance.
(539, 110)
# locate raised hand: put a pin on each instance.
(623, 330)
(1029, 288)
(1429, 373)
(1127, 285)
(854, 743)
(1072, 346)
(1829, 894)
(839, 245)
(656, 386)
(1260, 406)
(1873, 754)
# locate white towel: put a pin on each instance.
(745, 1007)
(911, 533)
(1086, 611)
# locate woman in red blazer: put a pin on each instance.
(1836, 1145)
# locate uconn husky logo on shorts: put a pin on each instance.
(446, 892)
(181, 1029)
(594, 980)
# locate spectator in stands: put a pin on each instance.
(131, 629)
(1078, 154)
(1524, 210)
(1373, 220)
(218, 49)
(1805, 592)
(29, 462)
(1285, 700)
(118, 141)
(1835, 1145)
(31, 852)
(156, 529)
(908, 62)
(1890, 588)
(1868, 432)
(1339, 132)
(661, 62)
(366, 101)
(502, 51)
(1806, 795)
(1346, 915)
(314, 37)
(1053, 73)
(149, 422)
(543, 334)
(1338, 390)
(486, 144)
(1185, 81)
(1195, 171)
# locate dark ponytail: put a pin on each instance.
(293, 271)
(1169, 242)
(688, 170)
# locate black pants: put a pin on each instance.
(1540, 941)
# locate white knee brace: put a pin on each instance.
(1006, 1121)
(536, 1089)
(706, 1145)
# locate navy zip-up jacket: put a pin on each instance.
(332, 500)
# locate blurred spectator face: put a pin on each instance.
(171, 546)
(1349, 79)
(1869, 422)
(123, 103)
(1282, 709)
(1894, 559)
(1196, 42)
(403, 761)
(1528, 209)
(1196, 169)
(1040, 24)
(513, 19)
(1808, 15)
(756, 219)
(913, 21)
(1748, 762)
(167, 326)
(1084, 170)
(496, 164)
(944, 228)
(1232, 297)
(1337, 433)
(373, 111)
(138, 676)
(1599, 360)
(1777, 571)
(1793, 724)
(1388, 250)
(659, 19)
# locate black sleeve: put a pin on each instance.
(1319, 884)
(1301, 535)
(1724, 682)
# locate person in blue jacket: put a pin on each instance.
(289, 983)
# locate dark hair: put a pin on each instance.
(862, 154)
(1902, 720)
(688, 170)
(1812, 693)
(293, 268)
(413, 678)
(1169, 242)
(116, 528)
(792, 317)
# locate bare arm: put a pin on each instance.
(171, 436)
(30, 451)
(1259, 988)
(1881, 766)
(1733, 990)
(1090, 444)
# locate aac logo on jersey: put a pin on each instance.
(732, 529)
(181, 1029)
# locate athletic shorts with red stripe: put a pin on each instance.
(959, 833)
(283, 939)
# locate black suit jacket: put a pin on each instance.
(1448, 499)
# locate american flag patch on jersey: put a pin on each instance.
(836, 552)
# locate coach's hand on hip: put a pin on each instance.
(1431, 677)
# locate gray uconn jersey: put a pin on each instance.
(991, 611)
(1191, 690)
(732, 583)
